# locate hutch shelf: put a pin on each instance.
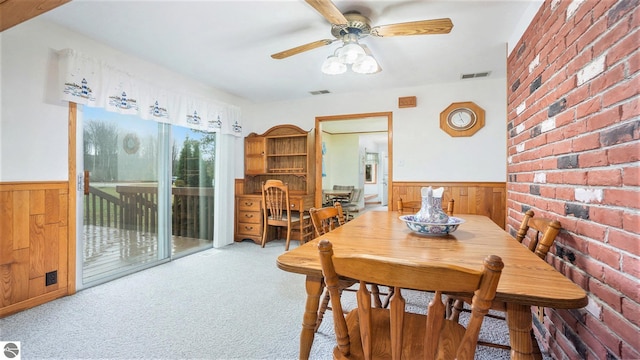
(284, 152)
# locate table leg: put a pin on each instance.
(314, 286)
(519, 322)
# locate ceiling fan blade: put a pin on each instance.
(329, 10)
(435, 26)
(301, 48)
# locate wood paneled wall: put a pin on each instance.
(34, 240)
(483, 198)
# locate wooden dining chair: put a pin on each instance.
(276, 211)
(370, 333)
(543, 233)
(324, 220)
(413, 206)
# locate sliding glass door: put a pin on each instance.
(148, 194)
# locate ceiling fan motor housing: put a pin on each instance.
(357, 24)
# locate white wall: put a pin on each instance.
(341, 160)
(421, 150)
(33, 121)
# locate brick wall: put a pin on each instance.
(574, 151)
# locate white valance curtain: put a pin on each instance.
(93, 83)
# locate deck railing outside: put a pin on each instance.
(136, 208)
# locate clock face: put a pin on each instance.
(461, 119)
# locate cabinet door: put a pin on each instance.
(254, 152)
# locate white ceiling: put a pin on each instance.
(227, 44)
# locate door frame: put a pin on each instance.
(318, 144)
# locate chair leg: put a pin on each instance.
(375, 293)
(286, 246)
(264, 234)
(385, 304)
(456, 309)
(323, 307)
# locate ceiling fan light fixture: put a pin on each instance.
(367, 65)
(350, 53)
(333, 66)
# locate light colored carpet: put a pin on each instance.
(229, 303)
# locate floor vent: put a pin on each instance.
(476, 75)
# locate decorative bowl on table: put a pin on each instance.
(434, 229)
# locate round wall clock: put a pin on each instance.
(462, 119)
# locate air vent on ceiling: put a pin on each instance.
(319, 92)
(476, 75)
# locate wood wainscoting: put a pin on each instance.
(483, 198)
(34, 242)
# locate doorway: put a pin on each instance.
(380, 123)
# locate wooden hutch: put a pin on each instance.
(284, 152)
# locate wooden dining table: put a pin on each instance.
(330, 196)
(526, 279)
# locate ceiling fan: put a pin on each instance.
(352, 26)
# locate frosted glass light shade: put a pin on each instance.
(368, 65)
(333, 66)
(350, 53)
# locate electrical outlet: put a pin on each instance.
(51, 278)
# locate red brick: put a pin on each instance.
(610, 296)
(564, 193)
(579, 95)
(631, 265)
(623, 48)
(599, 27)
(605, 254)
(626, 284)
(605, 118)
(628, 352)
(603, 333)
(593, 159)
(634, 62)
(563, 147)
(631, 311)
(592, 230)
(550, 164)
(621, 92)
(609, 78)
(630, 109)
(606, 177)
(586, 142)
(589, 107)
(606, 216)
(578, 62)
(569, 224)
(566, 346)
(610, 37)
(576, 177)
(590, 266)
(601, 8)
(624, 240)
(626, 153)
(622, 197)
(593, 344)
(581, 25)
(622, 327)
(553, 136)
(630, 176)
(631, 223)
(572, 129)
(578, 277)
